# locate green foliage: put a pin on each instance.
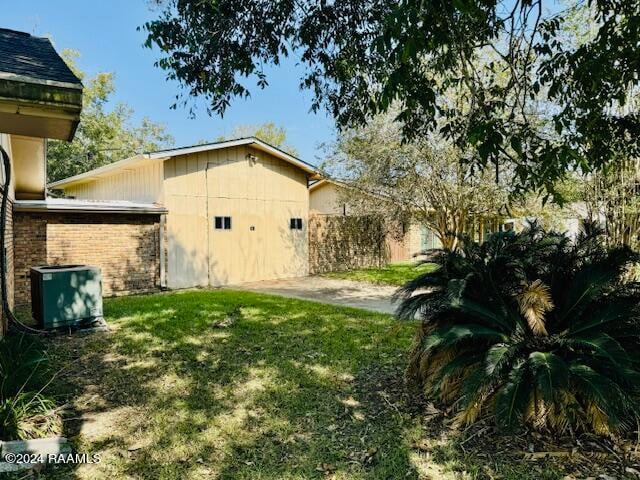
(392, 274)
(104, 135)
(530, 328)
(527, 96)
(611, 196)
(25, 411)
(268, 132)
(291, 389)
(429, 182)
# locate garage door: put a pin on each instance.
(236, 252)
(186, 200)
(251, 239)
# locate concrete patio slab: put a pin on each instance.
(347, 293)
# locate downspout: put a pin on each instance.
(13, 322)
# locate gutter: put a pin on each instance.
(38, 206)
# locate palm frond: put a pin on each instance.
(550, 372)
(615, 309)
(535, 301)
(452, 335)
(601, 345)
(603, 393)
(531, 328)
(513, 397)
(494, 318)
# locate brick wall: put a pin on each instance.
(345, 242)
(8, 245)
(126, 247)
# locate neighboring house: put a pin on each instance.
(41, 98)
(237, 210)
(570, 223)
(329, 197)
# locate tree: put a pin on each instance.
(532, 206)
(424, 182)
(530, 329)
(268, 132)
(104, 135)
(363, 56)
(612, 198)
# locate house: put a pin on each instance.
(237, 210)
(329, 197)
(40, 99)
(569, 220)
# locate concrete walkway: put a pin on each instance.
(346, 293)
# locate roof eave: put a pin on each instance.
(161, 155)
(322, 181)
(39, 207)
(249, 141)
(39, 108)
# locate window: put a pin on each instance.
(295, 224)
(222, 223)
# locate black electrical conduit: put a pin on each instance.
(14, 323)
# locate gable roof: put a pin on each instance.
(162, 155)
(349, 186)
(327, 181)
(33, 59)
(343, 184)
(39, 94)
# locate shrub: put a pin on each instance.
(25, 411)
(530, 328)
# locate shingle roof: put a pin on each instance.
(32, 57)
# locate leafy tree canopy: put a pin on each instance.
(267, 132)
(509, 61)
(104, 135)
(426, 182)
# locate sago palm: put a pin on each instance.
(530, 328)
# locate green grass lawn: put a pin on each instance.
(392, 274)
(290, 390)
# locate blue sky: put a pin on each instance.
(105, 34)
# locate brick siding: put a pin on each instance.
(8, 245)
(126, 247)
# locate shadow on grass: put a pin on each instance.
(290, 389)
